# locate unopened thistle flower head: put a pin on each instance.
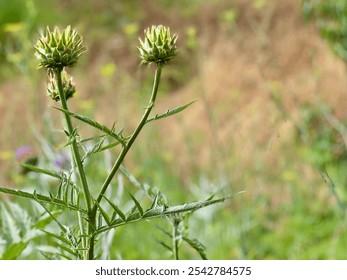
(68, 86)
(56, 50)
(158, 45)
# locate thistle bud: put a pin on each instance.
(158, 45)
(56, 50)
(68, 87)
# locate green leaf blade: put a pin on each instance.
(116, 209)
(171, 112)
(103, 213)
(161, 211)
(138, 206)
(192, 206)
(46, 219)
(14, 251)
(197, 246)
(58, 237)
(94, 124)
(40, 198)
(41, 170)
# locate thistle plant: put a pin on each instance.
(158, 46)
(95, 215)
(57, 50)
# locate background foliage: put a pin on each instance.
(331, 19)
(269, 120)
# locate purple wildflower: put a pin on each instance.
(23, 152)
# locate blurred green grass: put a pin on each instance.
(287, 211)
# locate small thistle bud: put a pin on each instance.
(56, 50)
(68, 86)
(158, 46)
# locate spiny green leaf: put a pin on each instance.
(193, 206)
(42, 198)
(58, 237)
(101, 148)
(67, 249)
(155, 201)
(73, 241)
(96, 148)
(95, 124)
(171, 112)
(103, 213)
(197, 245)
(62, 228)
(66, 190)
(42, 170)
(157, 213)
(109, 146)
(46, 219)
(130, 218)
(71, 137)
(116, 209)
(154, 212)
(138, 206)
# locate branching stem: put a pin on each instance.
(124, 152)
(75, 153)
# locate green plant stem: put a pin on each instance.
(125, 150)
(175, 239)
(75, 153)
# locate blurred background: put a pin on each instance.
(270, 117)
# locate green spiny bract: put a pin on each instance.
(56, 50)
(158, 46)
